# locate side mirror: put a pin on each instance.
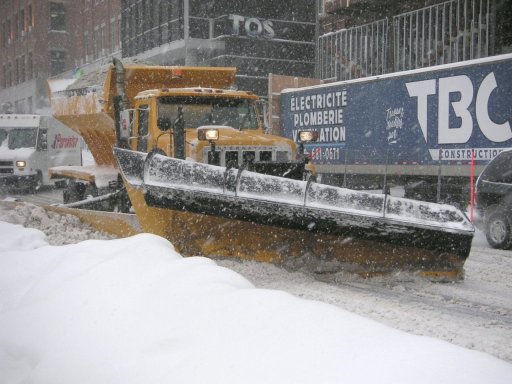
(43, 140)
(263, 112)
(164, 123)
(126, 124)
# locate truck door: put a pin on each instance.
(143, 129)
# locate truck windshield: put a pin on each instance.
(197, 111)
(21, 138)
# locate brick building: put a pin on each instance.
(40, 39)
(96, 30)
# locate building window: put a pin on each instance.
(30, 67)
(21, 23)
(30, 21)
(321, 5)
(9, 74)
(8, 31)
(57, 62)
(4, 76)
(100, 41)
(22, 69)
(113, 34)
(17, 71)
(15, 26)
(57, 17)
(97, 42)
(104, 40)
(87, 52)
(4, 34)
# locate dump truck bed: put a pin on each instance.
(86, 106)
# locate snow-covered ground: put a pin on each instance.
(134, 311)
(475, 313)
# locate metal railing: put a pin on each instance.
(356, 52)
(448, 32)
(452, 31)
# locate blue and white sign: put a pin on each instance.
(414, 115)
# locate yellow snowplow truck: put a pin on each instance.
(151, 100)
(200, 171)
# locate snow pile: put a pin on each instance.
(27, 239)
(134, 311)
(59, 229)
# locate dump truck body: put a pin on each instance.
(150, 99)
(88, 107)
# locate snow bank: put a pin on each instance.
(135, 311)
(24, 240)
(59, 229)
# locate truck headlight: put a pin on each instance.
(307, 136)
(208, 134)
(21, 163)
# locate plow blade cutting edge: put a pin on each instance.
(216, 211)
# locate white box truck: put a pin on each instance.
(29, 145)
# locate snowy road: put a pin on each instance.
(475, 313)
(45, 196)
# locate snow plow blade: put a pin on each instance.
(213, 211)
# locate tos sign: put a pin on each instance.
(252, 26)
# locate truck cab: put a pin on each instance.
(236, 134)
(29, 145)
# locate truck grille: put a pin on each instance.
(266, 156)
(4, 163)
(6, 171)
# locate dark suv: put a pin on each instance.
(494, 201)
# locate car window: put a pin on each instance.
(499, 170)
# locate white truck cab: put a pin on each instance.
(29, 145)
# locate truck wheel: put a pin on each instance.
(498, 230)
(74, 192)
(38, 182)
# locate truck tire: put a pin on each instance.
(73, 193)
(37, 183)
(498, 230)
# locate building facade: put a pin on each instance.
(327, 39)
(40, 39)
(257, 37)
(96, 30)
(34, 44)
